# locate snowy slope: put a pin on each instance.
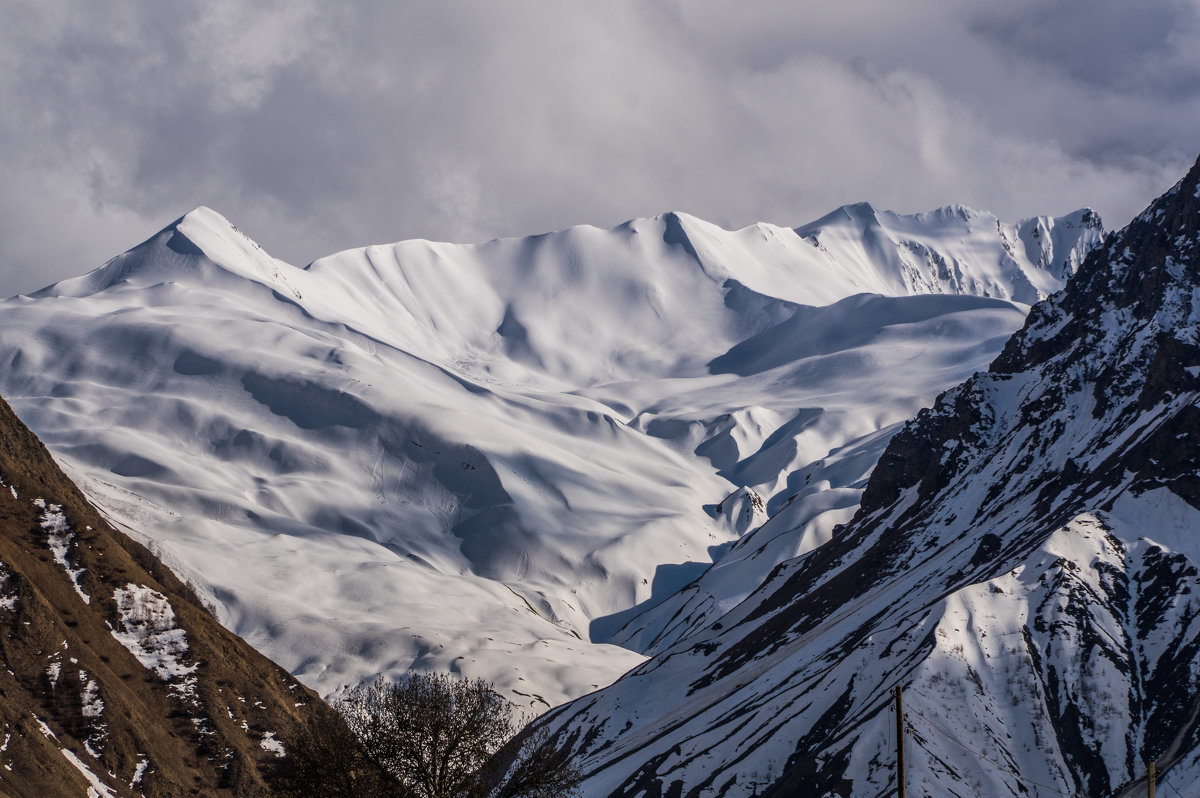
(489, 458)
(114, 682)
(1023, 563)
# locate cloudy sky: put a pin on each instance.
(316, 126)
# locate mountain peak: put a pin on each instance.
(955, 212)
(927, 252)
(858, 213)
(201, 242)
(1138, 271)
(201, 214)
(866, 214)
(218, 238)
(202, 224)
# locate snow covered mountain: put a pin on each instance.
(1024, 563)
(492, 459)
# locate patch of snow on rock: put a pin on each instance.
(8, 601)
(139, 772)
(269, 743)
(93, 705)
(148, 630)
(96, 788)
(92, 708)
(43, 728)
(59, 537)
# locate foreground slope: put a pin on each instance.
(490, 459)
(115, 681)
(1024, 563)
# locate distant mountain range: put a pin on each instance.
(535, 427)
(1025, 564)
(506, 460)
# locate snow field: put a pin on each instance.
(490, 459)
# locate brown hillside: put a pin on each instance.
(195, 715)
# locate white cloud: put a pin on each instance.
(320, 126)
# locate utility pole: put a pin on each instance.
(897, 692)
(1150, 774)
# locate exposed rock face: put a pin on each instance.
(115, 681)
(1025, 562)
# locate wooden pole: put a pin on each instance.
(1150, 774)
(896, 691)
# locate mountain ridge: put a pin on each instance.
(1020, 562)
(531, 426)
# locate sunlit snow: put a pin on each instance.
(496, 459)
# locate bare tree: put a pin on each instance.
(438, 735)
(326, 759)
(533, 767)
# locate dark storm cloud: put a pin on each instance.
(316, 126)
(1102, 43)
